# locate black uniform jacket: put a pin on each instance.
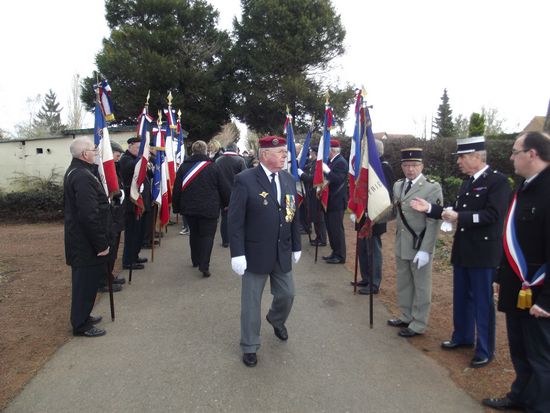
(481, 212)
(87, 215)
(532, 220)
(259, 228)
(205, 195)
(338, 184)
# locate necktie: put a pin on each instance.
(274, 186)
(408, 188)
(470, 183)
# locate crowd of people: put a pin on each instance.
(501, 241)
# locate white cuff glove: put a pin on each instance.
(300, 172)
(352, 217)
(296, 256)
(121, 196)
(446, 226)
(421, 258)
(326, 169)
(238, 264)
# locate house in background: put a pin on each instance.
(43, 156)
(536, 124)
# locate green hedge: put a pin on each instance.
(32, 205)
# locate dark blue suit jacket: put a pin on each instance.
(338, 184)
(259, 228)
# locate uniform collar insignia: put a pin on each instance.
(263, 194)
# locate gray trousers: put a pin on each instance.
(282, 289)
(414, 293)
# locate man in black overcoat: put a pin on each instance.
(524, 293)
(337, 174)
(87, 228)
(264, 234)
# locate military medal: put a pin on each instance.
(264, 196)
(290, 208)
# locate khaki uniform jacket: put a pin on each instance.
(404, 244)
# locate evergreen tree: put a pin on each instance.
(172, 45)
(477, 125)
(48, 118)
(281, 50)
(461, 125)
(444, 121)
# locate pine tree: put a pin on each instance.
(444, 121)
(48, 119)
(477, 125)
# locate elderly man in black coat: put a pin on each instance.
(524, 293)
(264, 233)
(230, 164)
(87, 227)
(200, 191)
(336, 173)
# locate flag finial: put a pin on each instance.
(159, 120)
(169, 98)
(148, 97)
(179, 114)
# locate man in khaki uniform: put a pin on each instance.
(414, 245)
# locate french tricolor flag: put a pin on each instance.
(355, 152)
(104, 157)
(140, 170)
(319, 181)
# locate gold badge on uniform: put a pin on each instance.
(290, 208)
(264, 195)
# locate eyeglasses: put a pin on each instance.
(516, 151)
(90, 150)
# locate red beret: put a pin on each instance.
(334, 143)
(271, 142)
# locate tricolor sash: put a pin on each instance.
(193, 172)
(517, 262)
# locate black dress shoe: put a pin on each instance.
(315, 243)
(478, 362)
(335, 260)
(250, 359)
(280, 332)
(501, 403)
(92, 332)
(141, 260)
(451, 345)
(119, 280)
(225, 244)
(407, 332)
(94, 320)
(134, 266)
(361, 283)
(105, 288)
(327, 257)
(206, 274)
(396, 322)
(366, 291)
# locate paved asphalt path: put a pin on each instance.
(174, 347)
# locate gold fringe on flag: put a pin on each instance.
(525, 299)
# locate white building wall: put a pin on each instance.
(41, 156)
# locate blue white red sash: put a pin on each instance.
(193, 172)
(516, 258)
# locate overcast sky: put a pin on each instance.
(491, 53)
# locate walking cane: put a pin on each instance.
(370, 252)
(110, 284)
(356, 259)
(155, 212)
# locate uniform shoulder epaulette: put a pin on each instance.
(401, 180)
(432, 181)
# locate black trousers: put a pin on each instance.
(336, 236)
(132, 240)
(529, 342)
(113, 255)
(223, 227)
(201, 239)
(84, 290)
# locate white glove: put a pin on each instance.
(421, 258)
(300, 172)
(326, 169)
(446, 226)
(352, 217)
(296, 256)
(121, 196)
(238, 264)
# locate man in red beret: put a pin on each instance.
(336, 173)
(264, 238)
